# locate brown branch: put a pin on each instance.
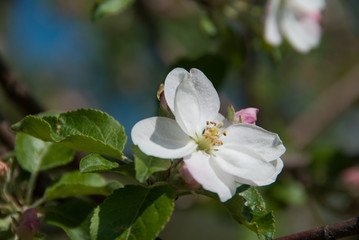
(329, 232)
(17, 92)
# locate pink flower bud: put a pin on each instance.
(29, 224)
(350, 177)
(3, 168)
(247, 115)
(161, 98)
(188, 179)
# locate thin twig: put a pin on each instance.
(329, 232)
(17, 92)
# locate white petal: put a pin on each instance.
(247, 167)
(207, 95)
(303, 33)
(212, 178)
(162, 137)
(196, 101)
(308, 5)
(221, 119)
(187, 109)
(278, 164)
(271, 28)
(173, 79)
(250, 138)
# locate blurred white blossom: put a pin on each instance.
(296, 20)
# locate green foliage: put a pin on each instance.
(36, 155)
(208, 25)
(97, 163)
(110, 7)
(77, 184)
(76, 226)
(146, 165)
(248, 208)
(133, 212)
(178, 31)
(86, 130)
(289, 192)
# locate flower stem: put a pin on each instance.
(7, 196)
(30, 187)
(38, 202)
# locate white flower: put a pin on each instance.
(216, 155)
(297, 20)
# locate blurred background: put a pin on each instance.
(68, 61)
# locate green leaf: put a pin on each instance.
(133, 212)
(76, 226)
(77, 184)
(146, 165)
(91, 131)
(36, 155)
(97, 163)
(248, 208)
(34, 126)
(110, 7)
(85, 130)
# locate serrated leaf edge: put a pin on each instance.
(97, 209)
(54, 138)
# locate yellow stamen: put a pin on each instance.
(210, 137)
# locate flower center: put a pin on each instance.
(211, 137)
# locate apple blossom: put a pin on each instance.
(297, 20)
(216, 152)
